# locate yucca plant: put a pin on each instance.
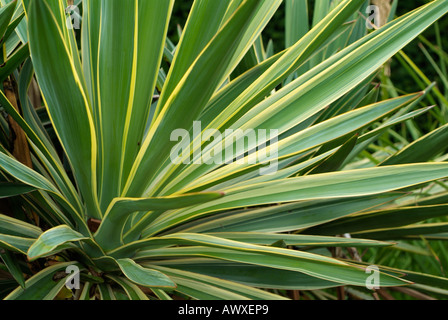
(105, 195)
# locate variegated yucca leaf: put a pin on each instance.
(98, 108)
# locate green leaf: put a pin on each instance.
(242, 290)
(64, 94)
(21, 29)
(16, 244)
(109, 235)
(203, 291)
(25, 174)
(143, 276)
(231, 91)
(6, 13)
(258, 239)
(297, 102)
(294, 57)
(15, 227)
(51, 240)
(295, 144)
(381, 219)
(124, 110)
(428, 230)
(42, 286)
(14, 61)
(284, 259)
(133, 291)
(297, 24)
(247, 274)
(196, 89)
(14, 189)
(85, 294)
(43, 147)
(162, 295)
(106, 292)
(422, 150)
(322, 186)
(297, 239)
(13, 267)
